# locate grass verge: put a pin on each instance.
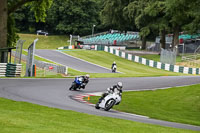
(157, 57)
(128, 68)
(178, 104)
(44, 42)
(17, 117)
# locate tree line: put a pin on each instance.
(78, 16)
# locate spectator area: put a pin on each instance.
(110, 38)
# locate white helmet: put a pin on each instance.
(119, 85)
(114, 62)
(87, 75)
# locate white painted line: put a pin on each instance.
(54, 61)
(83, 60)
(134, 115)
(88, 62)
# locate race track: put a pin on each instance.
(71, 62)
(55, 93)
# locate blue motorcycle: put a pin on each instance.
(77, 84)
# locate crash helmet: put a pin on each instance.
(119, 85)
(87, 76)
(114, 62)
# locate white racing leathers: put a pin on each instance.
(113, 98)
(114, 68)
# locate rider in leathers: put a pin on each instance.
(85, 80)
(113, 65)
(115, 88)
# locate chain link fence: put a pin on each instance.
(45, 68)
(168, 56)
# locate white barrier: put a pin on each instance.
(3, 67)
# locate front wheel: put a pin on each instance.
(73, 87)
(97, 106)
(109, 104)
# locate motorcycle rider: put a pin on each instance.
(113, 65)
(84, 79)
(115, 88)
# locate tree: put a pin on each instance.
(7, 7)
(112, 14)
(182, 14)
(73, 17)
(156, 10)
(64, 17)
(136, 11)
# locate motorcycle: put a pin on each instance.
(77, 84)
(114, 68)
(109, 101)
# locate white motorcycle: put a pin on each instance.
(114, 68)
(109, 101)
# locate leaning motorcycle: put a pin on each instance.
(77, 84)
(109, 101)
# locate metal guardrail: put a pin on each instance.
(10, 70)
(13, 70)
(3, 69)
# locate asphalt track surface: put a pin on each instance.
(55, 93)
(71, 62)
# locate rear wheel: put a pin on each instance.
(109, 104)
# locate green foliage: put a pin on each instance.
(39, 8)
(64, 17)
(12, 37)
(113, 15)
(73, 17)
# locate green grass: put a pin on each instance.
(128, 68)
(178, 104)
(22, 117)
(157, 57)
(44, 42)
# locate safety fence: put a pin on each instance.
(147, 62)
(46, 68)
(10, 70)
(168, 56)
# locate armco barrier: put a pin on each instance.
(151, 63)
(3, 69)
(10, 70)
(13, 70)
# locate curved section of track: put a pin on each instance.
(55, 93)
(71, 62)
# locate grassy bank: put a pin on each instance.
(128, 68)
(157, 57)
(178, 104)
(18, 117)
(45, 42)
